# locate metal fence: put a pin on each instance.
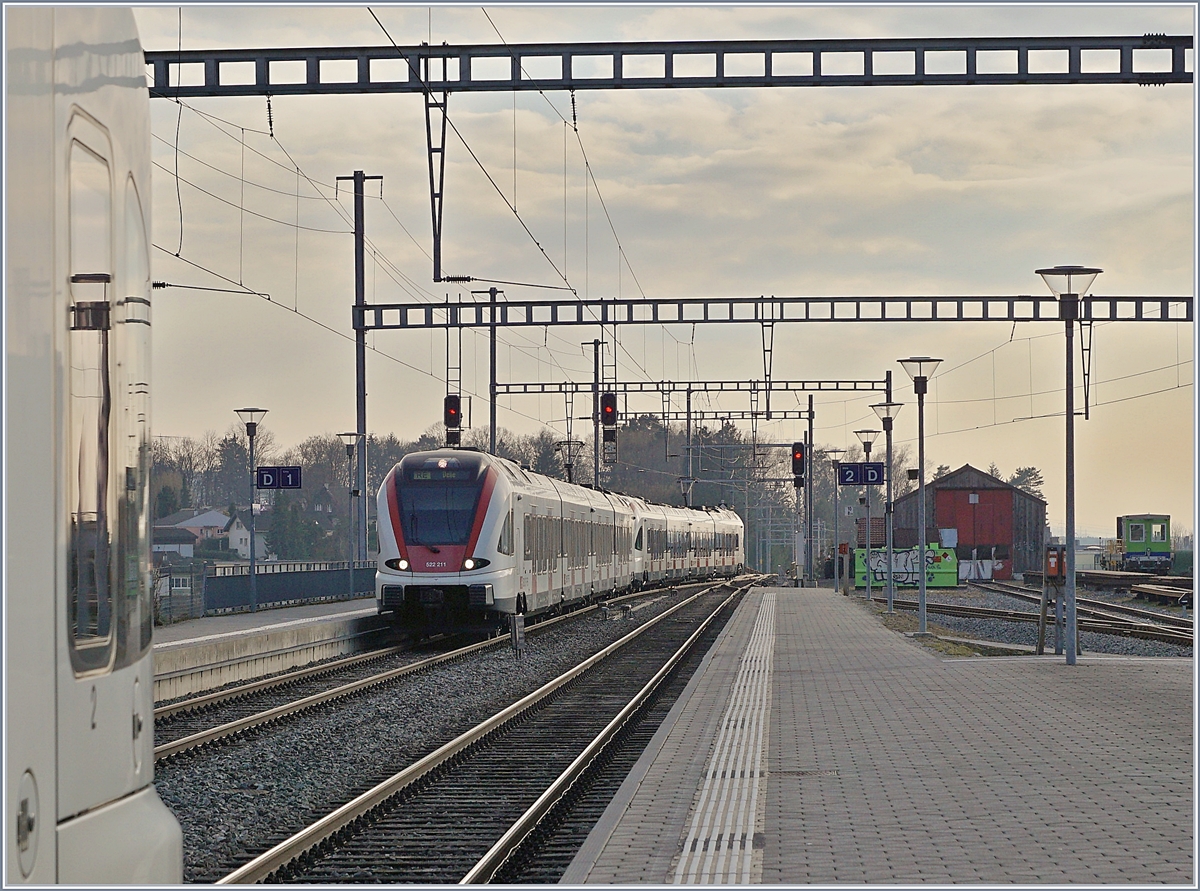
(191, 592)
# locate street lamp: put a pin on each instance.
(866, 437)
(250, 417)
(835, 456)
(350, 440)
(1068, 284)
(887, 412)
(919, 368)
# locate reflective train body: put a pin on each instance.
(467, 539)
(79, 807)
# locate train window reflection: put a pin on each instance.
(90, 497)
(131, 440)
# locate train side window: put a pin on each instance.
(1137, 532)
(1158, 532)
(91, 495)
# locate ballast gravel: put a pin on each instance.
(247, 794)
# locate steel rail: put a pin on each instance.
(270, 861)
(217, 696)
(1113, 626)
(485, 870)
(212, 734)
(1098, 607)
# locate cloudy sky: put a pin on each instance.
(733, 192)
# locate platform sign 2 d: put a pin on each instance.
(862, 473)
(277, 477)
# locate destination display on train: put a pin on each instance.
(439, 475)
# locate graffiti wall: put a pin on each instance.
(940, 566)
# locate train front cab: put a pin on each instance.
(447, 543)
(79, 722)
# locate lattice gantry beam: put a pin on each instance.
(566, 311)
(511, 389)
(1148, 59)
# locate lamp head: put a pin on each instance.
(887, 411)
(250, 417)
(1069, 279)
(919, 366)
(866, 437)
(349, 440)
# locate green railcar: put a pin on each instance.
(1145, 543)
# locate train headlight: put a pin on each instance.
(400, 564)
(475, 563)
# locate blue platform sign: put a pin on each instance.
(863, 473)
(286, 477)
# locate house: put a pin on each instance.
(238, 531)
(996, 529)
(172, 539)
(204, 522)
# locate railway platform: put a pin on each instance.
(202, 654)
(814, 746)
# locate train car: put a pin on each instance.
(80, 807)
(468, 539)
(1144, 543)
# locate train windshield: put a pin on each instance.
(438, 498)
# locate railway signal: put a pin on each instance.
(452, 418)
(798, 465)
(608, 409)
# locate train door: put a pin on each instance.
(105, 746)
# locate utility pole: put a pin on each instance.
(492, 366)
(808, 497)
(596, 344)
(360, 353)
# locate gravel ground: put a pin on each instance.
(1026, 634)
(248, 794)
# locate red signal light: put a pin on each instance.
(608, 409)
(798, 459)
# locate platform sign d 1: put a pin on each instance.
(872, 473)
(287, 477)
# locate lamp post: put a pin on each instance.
(887, 412)
(919, 368)
(350, 440)
(866, 437)
(250, 417)
(836, 455)
(1068, 284)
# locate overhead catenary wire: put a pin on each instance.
(249, 292)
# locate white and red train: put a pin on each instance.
(467, 539)
(79, 800)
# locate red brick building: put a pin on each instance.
(996, 529)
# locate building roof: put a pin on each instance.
(172, 535)
(968, 477)
(198, 519)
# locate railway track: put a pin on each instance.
(202, 720)
(1096, 607)
(463, 811)
(1095, 616)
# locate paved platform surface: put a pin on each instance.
(879, 760)
(234, 623)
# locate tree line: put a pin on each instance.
(728, 465)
